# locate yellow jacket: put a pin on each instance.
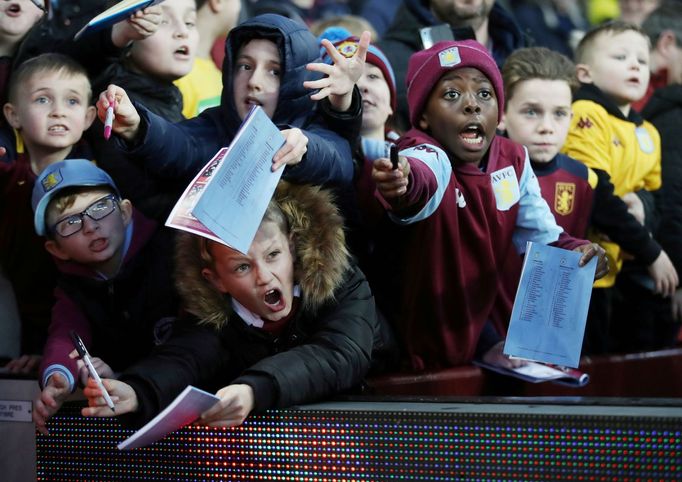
(629, 153)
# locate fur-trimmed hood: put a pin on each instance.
(321, 255)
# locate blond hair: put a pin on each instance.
(614, 27)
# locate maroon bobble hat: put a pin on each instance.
(426, 67)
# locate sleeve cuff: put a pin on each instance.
(265, 391)
(62, 370)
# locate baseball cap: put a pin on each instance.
(60, 175)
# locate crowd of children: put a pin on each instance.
(363, 262)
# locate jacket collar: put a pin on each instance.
(322, 258)
(593, 93)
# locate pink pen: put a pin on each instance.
(109, 121)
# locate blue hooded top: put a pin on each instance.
(181, 150)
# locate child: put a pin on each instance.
(378, 90)
(612, 64)
(463, 197)
(538, 86)
(147, 72)
(290, 322)
(16, 19)
(268, 63)
(201, 88)
(49, 109)
(115, 288)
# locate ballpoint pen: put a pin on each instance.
(85, 356)
(109, 121)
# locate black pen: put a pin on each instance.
(85, 356)
(394, 156)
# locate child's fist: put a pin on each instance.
(391, 183)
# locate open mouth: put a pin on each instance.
(183, 51)
(273, 298)
(473, 134)
(57, 129)
(99, 244)
(14, 9)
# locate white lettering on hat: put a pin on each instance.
(449, 57)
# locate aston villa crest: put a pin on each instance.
(564, 197)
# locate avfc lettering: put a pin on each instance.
(506, 188)
(499, 176)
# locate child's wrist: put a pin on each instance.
(341, 103)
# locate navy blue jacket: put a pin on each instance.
(181, 150)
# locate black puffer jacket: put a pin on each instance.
(664, 110)
(326, 348)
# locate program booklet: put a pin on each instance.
(226, 201)
(550, 308)
(535, 372)
(185, 409)
(114, 14)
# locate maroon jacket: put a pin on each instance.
(459, 224)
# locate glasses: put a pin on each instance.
(100, 209)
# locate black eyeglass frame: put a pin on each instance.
(81, 216)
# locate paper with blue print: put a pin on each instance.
(550, 309)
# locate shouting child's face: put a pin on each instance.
(461, 114)
(261, 280)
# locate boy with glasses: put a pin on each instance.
(115, 288)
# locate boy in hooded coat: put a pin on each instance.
(180, 150)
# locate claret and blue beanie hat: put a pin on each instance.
(426, 67)
(60, 175)
(347, 44)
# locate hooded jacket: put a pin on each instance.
(403, 39)
(180, 150)
(664, 111)
(325, 348)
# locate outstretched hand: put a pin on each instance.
(102, 369)
(391, 183)
(56, 391)
(122, 394)
(126, 119)
(24, 364)
(138, 26)
(341, 76)
(294, 148)
(236, 403)
(666, 279)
